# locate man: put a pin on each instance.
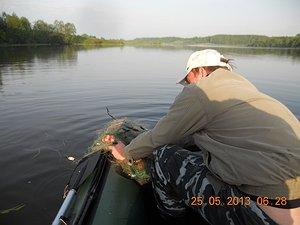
(247, 169)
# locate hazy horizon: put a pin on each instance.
(212, 35)
(145, 19)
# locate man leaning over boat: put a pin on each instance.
(247, 167)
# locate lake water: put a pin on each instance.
(52, 103)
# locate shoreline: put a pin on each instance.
(147, 45)
(238, 46)
(207, 46)
(55, 45)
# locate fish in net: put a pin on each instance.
(123, 130)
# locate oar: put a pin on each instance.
(61, 216)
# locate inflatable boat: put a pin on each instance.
(98, 195)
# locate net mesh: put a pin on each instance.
(123, 130)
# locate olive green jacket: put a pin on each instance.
(247, 138)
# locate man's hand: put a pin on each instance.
(118, 149)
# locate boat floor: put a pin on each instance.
(117, 200)
(125, 202)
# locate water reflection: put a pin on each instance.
(293, 53)
(1, 83)
(42, 53)
(70, 53)
(23, 59)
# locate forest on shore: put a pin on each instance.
(223, 40)
(16, 30)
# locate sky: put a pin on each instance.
(129, 19)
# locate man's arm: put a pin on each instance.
(185, 117)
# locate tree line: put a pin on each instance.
(18, 30)
(223, 39)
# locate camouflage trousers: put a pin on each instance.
(180, 180)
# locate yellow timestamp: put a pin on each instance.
(217, 201)
(235, 200)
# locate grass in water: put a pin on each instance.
(13, 209)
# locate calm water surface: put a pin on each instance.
(52, 102)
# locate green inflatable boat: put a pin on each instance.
(103, 192)
(106, 198)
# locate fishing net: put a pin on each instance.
(123, 130)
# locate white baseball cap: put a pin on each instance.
(207, 57)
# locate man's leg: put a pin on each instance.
(180, 176)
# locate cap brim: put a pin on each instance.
(182, 82)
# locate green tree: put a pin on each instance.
(3, 28)
(68, 30)
(41, 32)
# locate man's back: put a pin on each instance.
(249, 139)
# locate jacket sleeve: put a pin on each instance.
(185, 117)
